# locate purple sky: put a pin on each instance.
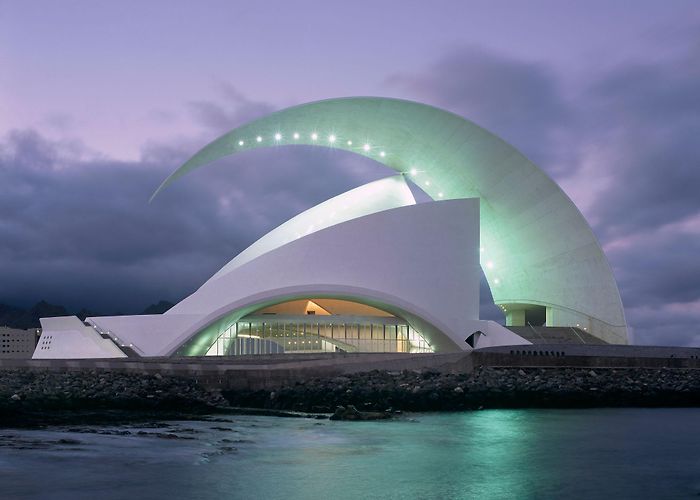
(99, 101)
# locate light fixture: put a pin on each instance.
(258, 138)
(496, 281)
(366, 147)
(349, 143)
(489, 264)
(382, 154)
(314, 136)
(241, 143)
(414, 172)
(331, 138)
(427, 183)
(278, 136)
(296, 135)
(440, 195)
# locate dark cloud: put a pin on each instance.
(658, 267)
(647, 117)
(624, 142)
(80, 232)
(520, 101)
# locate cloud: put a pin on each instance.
(78, 230)
(646, 120)
(232, 110)
(520, 101)
(623, 143)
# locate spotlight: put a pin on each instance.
(366, 147)
(331, 138)
(314, 136)
(258, 138)
(278, 136)
(241, 143)
(296, 135)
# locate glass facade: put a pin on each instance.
(277, 334)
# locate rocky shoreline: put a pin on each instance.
(44, 398)
(484, 388)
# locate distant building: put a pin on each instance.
(16, 343)
(372, 270)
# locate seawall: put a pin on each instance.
(271, 371)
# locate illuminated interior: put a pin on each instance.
(318, 325)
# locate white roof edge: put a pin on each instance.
(357, 202)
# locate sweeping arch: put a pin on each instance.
(537, 250)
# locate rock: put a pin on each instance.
(68, 441)
(458, 390)
(349, 412)
(522, 373)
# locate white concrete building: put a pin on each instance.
(372, 271)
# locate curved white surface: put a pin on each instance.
(66, 337)
(537, 247)
(390, 192)
(420, 262)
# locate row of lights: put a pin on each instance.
(332, 139)
(109, 332)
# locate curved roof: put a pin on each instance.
(374, 260)
(377, 196)
(536, 246)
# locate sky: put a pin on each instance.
(100, 101)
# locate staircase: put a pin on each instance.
(556, 335)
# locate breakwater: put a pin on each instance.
(485, 387)
(29, 397)
(49, 397)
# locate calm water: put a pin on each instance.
(615, 453)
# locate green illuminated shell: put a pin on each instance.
(536, 247)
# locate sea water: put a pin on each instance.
(520, 454)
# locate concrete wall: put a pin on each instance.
(257, 372)
(68, 337)
(419, 262)
(16, 343)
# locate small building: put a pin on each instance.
(16, 343)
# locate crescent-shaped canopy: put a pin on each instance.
(537, 250)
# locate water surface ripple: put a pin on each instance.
(603, 453)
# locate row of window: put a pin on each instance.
(254, 337)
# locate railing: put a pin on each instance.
(576, 333)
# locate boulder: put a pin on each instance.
(349, 412)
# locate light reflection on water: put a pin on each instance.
(610, 453)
